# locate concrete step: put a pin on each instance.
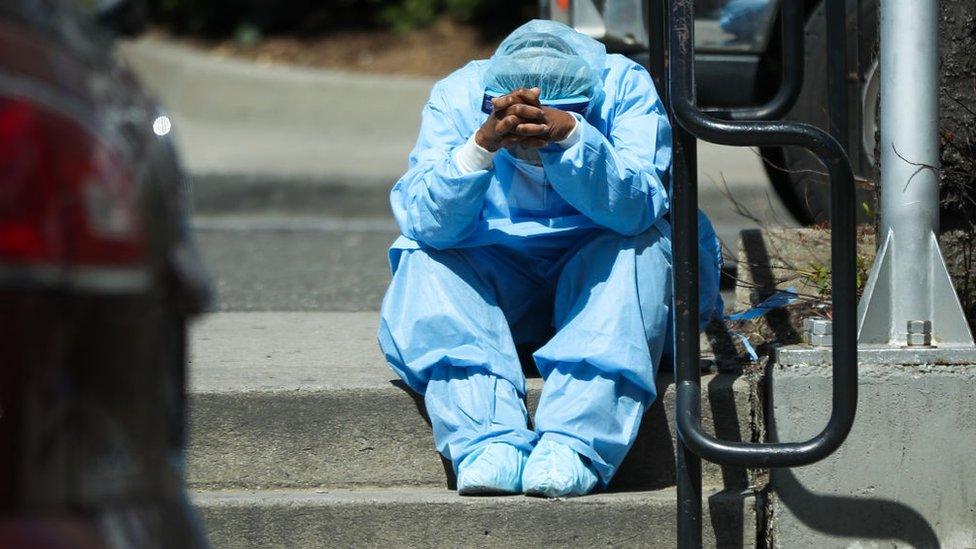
(438, 518)
(299, 400)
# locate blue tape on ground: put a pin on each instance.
(750, 350)
(781, 298)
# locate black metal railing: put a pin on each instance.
(671, 25)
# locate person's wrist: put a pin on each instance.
(562, 125)
(483, 142)
(574, 134)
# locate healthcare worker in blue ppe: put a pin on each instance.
(535, 209)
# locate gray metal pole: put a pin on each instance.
(909, 281)
(910, 143)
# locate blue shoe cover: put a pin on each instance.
(554, 470)
(492, 469)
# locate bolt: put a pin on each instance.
(821, 340)
(821, 326)
(919, 333)
(817, 331)
(920, 326)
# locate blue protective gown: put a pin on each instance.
(574, 254)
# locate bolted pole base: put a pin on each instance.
(881, 320)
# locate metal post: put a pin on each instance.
(684, 196)
(687, 375)
(657, 30)
(909, 280)
(835, 11)
(910, 129)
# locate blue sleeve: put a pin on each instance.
(433, 203)
(619, 181)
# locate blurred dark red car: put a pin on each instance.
(98, 278)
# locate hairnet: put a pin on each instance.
(550, 56)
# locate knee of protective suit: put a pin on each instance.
(438, 311)
(612, 241)
(396, 361)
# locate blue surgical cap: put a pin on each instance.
(562, 63)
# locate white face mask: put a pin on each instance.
(525, 154)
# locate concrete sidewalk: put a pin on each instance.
(236, 117)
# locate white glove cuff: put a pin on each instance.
(472, 157)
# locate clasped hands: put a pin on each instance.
(519, 119)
